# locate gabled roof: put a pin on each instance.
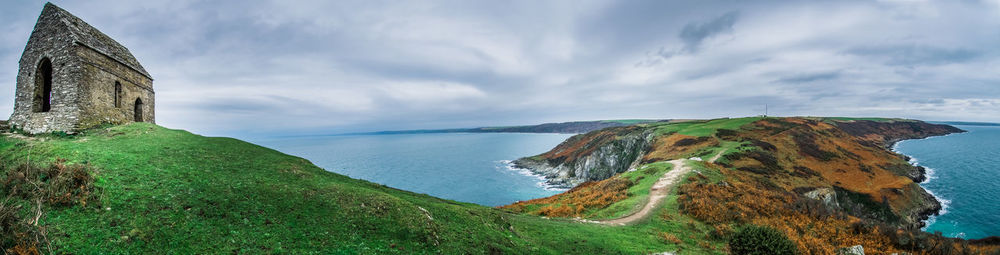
(87, 35)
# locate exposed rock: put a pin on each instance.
(827, 195)
(923, 207)
(853, 250)
(915, 173)
(615, 154)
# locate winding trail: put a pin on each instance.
(659, 191)
(717, 156)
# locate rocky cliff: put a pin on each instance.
(593, 156)
(887, 133)
(844, 163)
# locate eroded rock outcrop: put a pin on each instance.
(593, 156)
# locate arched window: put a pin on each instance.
(138, 110)
(118, 94)
(43, 87)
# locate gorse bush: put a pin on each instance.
(57, 184)
(41, 187)
(760, 240)
(589, 195)
(18, 235)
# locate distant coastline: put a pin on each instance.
(967, 123)
(573, 127)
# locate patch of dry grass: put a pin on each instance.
(55, 185)
(573, 203)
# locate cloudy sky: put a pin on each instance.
(271, 67)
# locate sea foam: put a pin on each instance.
(542, 181)
(930, 174)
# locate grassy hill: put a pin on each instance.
(141, 188)
(157, 190)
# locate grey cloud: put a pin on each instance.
(232, 67)
(806, 78)
(932, 101)
(913, 55)
(692, 36)
(694, 33)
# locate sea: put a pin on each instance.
(963, 169)
(963, 172)
(466, 167)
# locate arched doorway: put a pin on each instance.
(43, 87)
(138, 110)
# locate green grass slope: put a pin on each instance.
(170, 191)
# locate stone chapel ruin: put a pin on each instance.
(72, 77)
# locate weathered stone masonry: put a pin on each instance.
(72, 77)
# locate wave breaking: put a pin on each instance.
(542, 182)
(929, 175)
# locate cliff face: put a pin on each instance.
(593, 156)
(886, 134)
(850, 157)
(846, 164)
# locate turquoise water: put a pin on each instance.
(467, 167)
(963, 171)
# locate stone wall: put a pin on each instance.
(97, 90)
(51, 40)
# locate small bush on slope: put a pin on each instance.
(39, 187)
(760, 240)
(58, 184)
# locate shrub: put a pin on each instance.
(18, 235)
(768, 163)
(720, 231)
(763, 145)
(670, 238)
(691, 141)
(726, 134)
(760, 240)
(583, 197)
(807, 146)
(804, 172)
(8, 221)
(57, 184)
